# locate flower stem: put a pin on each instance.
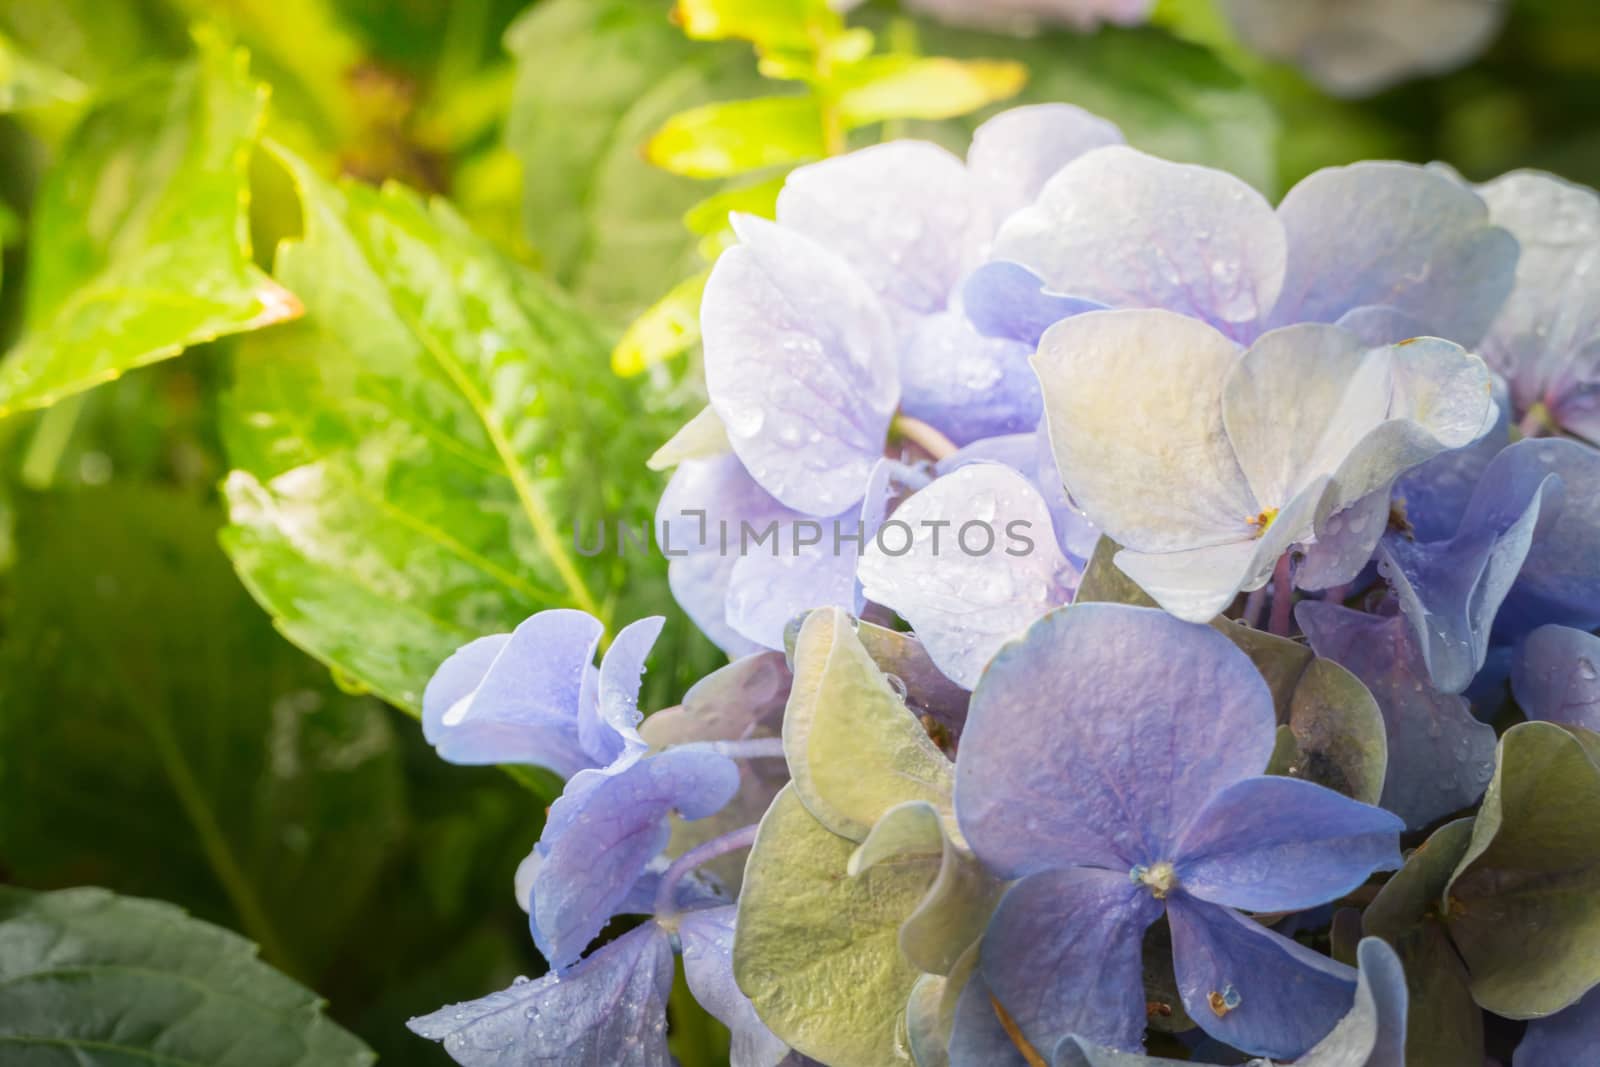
(699, 856)
(1254, 604)
(925, 437)
(1282, 597)
(1536, 422)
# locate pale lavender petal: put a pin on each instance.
(611, 1008)
(1017, 151)
(609, 726)
(1344, 544)
(707, 938)
(800, 366)
(1133, 400)
(899, 213)
(811, 564)
(1129, 230)
(699, 584)
(1063, 955)
(977, 1037)
(1273, 996)
(1564, 1039)
(602, 833)
(1281, 844)
(515, 698)
(1553, 313)
(979, 565)
(1377, 325)
(1556, 676)
(1560, 580)
(1008, 300)
(1397, 236)
(1435, 495)
(1097, 737)
(964, 384)
(1440, 757)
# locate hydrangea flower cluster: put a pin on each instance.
(1121, 574)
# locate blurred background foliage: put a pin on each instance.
(158, 734)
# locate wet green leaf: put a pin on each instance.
(140, 246)
(817, 951)
(90, 978)
(1524, 903)
(1338, 731)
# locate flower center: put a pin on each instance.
(1161, 878)
(1261, 522)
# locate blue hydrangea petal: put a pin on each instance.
(1063, 955)
(707, 939)
(1015, 153)
(515, 698)
(611, 1008)
(1134, 404)
(1344, 543)
(603, 832)
(966, 598)
(1282, 844)
(1284, 997)
(1451, 591)
(1076, 533)
(964, 384)
(766, 589)
(1374, 1033)
(1435, 495)
(608, 725)
(899, 213)
(1007, 300)
(1097, 737)
(1440, 757)
(1129, 230)
(1378, 325)
(1565, 1039)
(699, 584)
(1540, 337)
(1555, 674)
(1560, 580)
(1395, 235)
(801, 366)
(977, 1037)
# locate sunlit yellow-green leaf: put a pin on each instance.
(670, 327)
(769, 24)
(910, 87)
(723, 139)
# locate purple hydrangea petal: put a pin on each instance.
(1017, 151)
(982, 565)
(977, 1037)
(611, 1008)
(800, 366)
(1560, 580)
(1378, 325)
(1063, 955)
(707, 939)
(1395, 235)
(1076, 533)
(1007, 300)
(1553, 314)
(1281, 844)
(699, 584)
(1440, 757)
(1096, 737)
(1133, 402)
(1017, 451)
(608, 726)
(1435, 495)
(1564, 1039)
(603, 832)
(1450, 591)
(771, 585)
(899, 213)
(964, 384)
(1555, 675)
(1250, 987)
(1374, 1033)
(1129, 230)
(515, 698)
(1344, 544)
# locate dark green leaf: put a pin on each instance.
(90, 979)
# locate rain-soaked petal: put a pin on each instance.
(1564, 1039)
(964, 384)
(609, 718)
(809, 563)
(800, 366)
(1017, 151)
(1560, 580)
(1555, 675)
(707, 938)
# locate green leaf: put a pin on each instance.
(140, 246)
(1282, 662)
(595, 78)
(273, 802)
(28, 83)
(1444, 1027)
(91, 979)
(1172, 98)
(415, 462)
(669, 328)
(769, 24)
(725, 139)
(1105, 583)
(854, 749)
(882, 88)
(1338, 732)
(1524, 903)
(816, 950)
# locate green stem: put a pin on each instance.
(51, 435)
